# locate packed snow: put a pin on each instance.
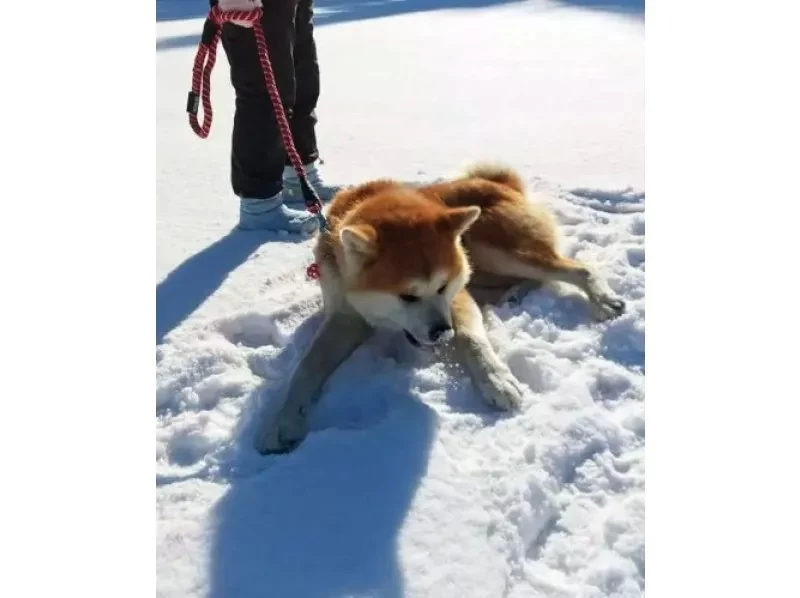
(407, 484)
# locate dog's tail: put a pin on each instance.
(497, 173)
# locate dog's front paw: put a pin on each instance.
(501, 389)
(608, 307)
(285, 433)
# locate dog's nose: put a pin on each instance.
(438, 331)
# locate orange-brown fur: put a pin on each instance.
(414, 237)
(412, 227)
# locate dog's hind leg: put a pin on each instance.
(495, 382)
(546, 265)
(488, 288)
(339, 335)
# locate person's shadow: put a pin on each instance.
(323, 520)
(195, 280)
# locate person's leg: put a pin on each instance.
(257, 152)
(306, 69)
(304, 117)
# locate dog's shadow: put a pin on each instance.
(323, 520)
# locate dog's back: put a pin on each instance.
(508, 221)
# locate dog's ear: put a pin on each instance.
(358, 239)
(458, 220)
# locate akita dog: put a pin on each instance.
(401, 257)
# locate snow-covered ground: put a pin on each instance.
(407, 484)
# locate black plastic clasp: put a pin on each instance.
(313, 202)
(309, 194)
(192, 103)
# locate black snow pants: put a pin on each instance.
(257, 153)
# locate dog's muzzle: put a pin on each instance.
(439, 337)
(411, 338)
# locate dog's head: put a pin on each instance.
(404, 262)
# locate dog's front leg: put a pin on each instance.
(494, 380)
(339, 335)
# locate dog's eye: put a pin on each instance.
(409, 298)
(441, 290)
